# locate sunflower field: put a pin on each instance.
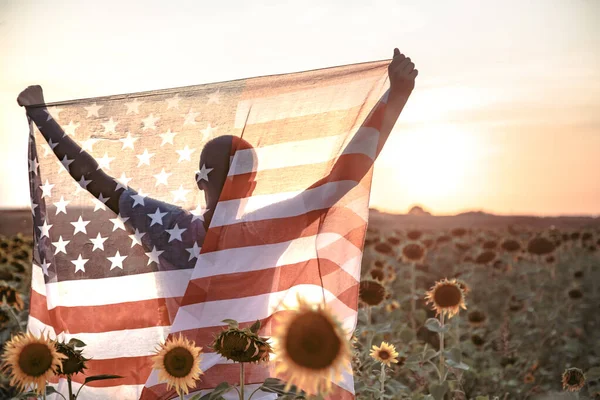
(462, 313)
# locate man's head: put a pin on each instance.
(215, 161)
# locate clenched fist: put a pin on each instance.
(32, 96)
(402, 74)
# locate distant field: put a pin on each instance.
(16, 221)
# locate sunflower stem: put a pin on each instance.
(241, 381)
(69, 385)
(457, 330)
(442, 348)
(12, 313)
(413, 305)
(382, 380)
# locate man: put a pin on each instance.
(214, 167)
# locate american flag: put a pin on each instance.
(122, 283)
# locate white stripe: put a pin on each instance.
(255, 258)
(113, 344)
(37, 279)
(123, 289)
(121, 392)
(302, 102)
(284, 204)
(305, 152)
(251, 308)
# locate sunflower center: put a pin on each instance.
(35, 359)
(447, 296)
(384, 354)
(372, 293)
(179, 362)
(312, 341)
(573, 379)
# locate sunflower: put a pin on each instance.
(476, 318)
(391, 306)
(385, 354)
(312, 348)
(242, 345)
(511, 245)
(413, 252)
(529, 378)
(74, 361)
(371, 292)
(573, 379)
(463, 286)
(486, 257)
(414, 235)
(178, 363)
(32, 361)
(446, 297)
(377, 273)
(540, 246)
(11, 297)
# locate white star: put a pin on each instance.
(133, 106)
(139, 198)
(122, 182)
(93, 110)
(190, 118)
(198, 213)
(104, 162)
(109, 126)
(61, 245)
(157, 217)
(185, 154)
(45, 266)
(214, 97)
(194, 251)
(70, 129)
(33, 165)
(145, 157)
(61, 206)
(119, 222)
(162, 178)
(65, 163)
(88, 145)
(100, 203)
(79, 263)
(173, 102)
(47, 189)
(116, 261)
(153, 255)
(45, 230)
(49, 147)
(207, 132)
(128, 141)
(80, 226)
(180, 194)
(98, 242)
(167, 137)
(53, 112)
(149, 122)
(136, 238)
(33, 207)
(82, 184)
(175, 233)
(203, 173)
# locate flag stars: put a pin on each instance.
(149, 122)
(53, 112)
(198, 213)
(61, 245)
(136, 238)
(214, 97)
(138, 198)
(33, 166)
(45, 265)
(179, 194)
(116, 261)
(157, 217)
(133, 106)
(144, 158)
(207, 132)
(100, 203)
(119, 222)
(122, 182)
(167, 137)
(173, 102)
(104, 162)
(175, 233)
(153, 255)
(128, 142)
(80, 226)
(70, 129)
(203, 173)
(92, 111)
(88, 145)
(185, 154)
(61, 206)
(98, 242)
(194, 251)
(66, 162)
(190, 117)
(82, 184)
(80, 263)
(162, 178)
(109, 127)
(45, 230)
(46, 189)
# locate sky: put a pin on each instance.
(504, 118)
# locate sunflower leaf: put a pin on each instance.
(217, 393)
(274, 385)
(434, 325)
(255, 326)
(592, 374)
(457, 364)
(101, 377)
(438, 391)
(76, 343)
(231, 322)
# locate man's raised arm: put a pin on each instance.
(79, 163)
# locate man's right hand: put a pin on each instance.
(32, 96)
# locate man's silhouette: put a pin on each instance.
(214, 167)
